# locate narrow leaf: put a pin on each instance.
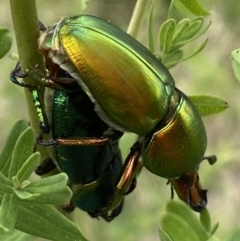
(55, 198)
(8, 212)
(18, 236)
(6, 186)
(194, 7)
(184, 42)
(7, 150)
(198, 51)
(29, 166)
(55, 182)
(25, 195)
(180, 30)
(236, 63)
(172, 58)
(214, 228)
(150, 31)
(164, 236)
(170, 10)
(22, 151)
(50, 190)
(5, 42)
(166, 34)
(205, 220)
(192, 29)
(207, 105)
(46, 222)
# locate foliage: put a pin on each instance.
(24, 203)
(236, 63)
(5, 42)
(173, 37)
(178, 223)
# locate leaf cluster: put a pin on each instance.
(173, 35)
(26, 205)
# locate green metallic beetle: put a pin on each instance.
(125, 83)
(93, 163)
(132, 91)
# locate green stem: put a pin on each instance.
(25, 21)
(137, 17)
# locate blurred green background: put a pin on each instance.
(209, 72)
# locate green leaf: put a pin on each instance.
(178, 45)
(180, 30)
(194, 7)
(170, 10)
(198, 51)
(46, 222)
(50, 190)
(48, 184)
(205, 220)
(214, 228)
(150, 31)
(172, 58)
(17, 236)
(22, 151)
(236, 63)
(29, 166)
(14, 56)
(194, 27)
(60, 198)
(166, 33)
(177, 228)
(25, 195)
(164, 236)
(8, 212)
(207, 105)
(182, 210)
(188, 31)
(5, 42)
(5, 157)
(6, 186)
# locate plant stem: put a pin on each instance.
(137, 17)
(25, 21)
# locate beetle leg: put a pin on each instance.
(109, 136)
(114, 213)
(73, 142)
(52, 81)
(131, 168)
(46, 166)
(69, 207)
(16, 73)
(83, 141)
